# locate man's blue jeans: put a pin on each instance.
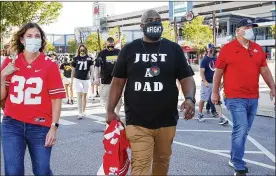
(243, 112)
(16, 136)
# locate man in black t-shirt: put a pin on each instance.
(66, 79)
(105, 64)
(149, 67)
(82, 69)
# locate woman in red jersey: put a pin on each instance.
(33, 89)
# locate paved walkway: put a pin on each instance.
(266, 106)
(199, 148)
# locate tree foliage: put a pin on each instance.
(72, 46)
(50, 47)
(113, 32)
(17, 13)
(168, 31)
(196, 34)
(92, 42)
(273, 30)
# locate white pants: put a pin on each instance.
(82, 85)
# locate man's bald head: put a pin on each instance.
(150, 15)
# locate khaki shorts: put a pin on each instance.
(104, 94)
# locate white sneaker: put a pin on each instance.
(84, 115)
(80, 116)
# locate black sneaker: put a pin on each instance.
(72, 102)
(68, 101)
(208, 111)
(223, 121)
(200, 117)
(232, 165)
(239, 173)
(97, 95)
(215, 114)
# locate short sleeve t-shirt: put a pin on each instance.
(107, 60)
(208, 64)
(67, 70)
(82, 67)
(242, 69)
(31, 89)
(151, 101)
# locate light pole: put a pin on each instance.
(214, 25)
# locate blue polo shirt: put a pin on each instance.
(209, 64)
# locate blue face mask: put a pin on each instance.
(153, 30)
(32, 45)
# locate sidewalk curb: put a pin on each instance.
(260, 112)
(266, 113)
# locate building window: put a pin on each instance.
(260, 33)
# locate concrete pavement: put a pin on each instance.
(199, 148)
(266, 106)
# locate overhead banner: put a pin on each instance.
(179, 8)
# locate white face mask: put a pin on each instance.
(249, 34)
(32, 45)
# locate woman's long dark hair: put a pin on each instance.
(78, 50)
(17, 46)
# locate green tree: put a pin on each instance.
(92, 42)
(273, 30)
(113, 32)
(196, 34)
(168, 31)
(72, 46)
(49, 47)
(17, 13)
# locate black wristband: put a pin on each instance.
(191, 98)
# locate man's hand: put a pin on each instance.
(215, 98)
(51, 137)
(111, 116)
(206, 84)
(189, 107)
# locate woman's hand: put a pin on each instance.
(8, 70)
(51, 137)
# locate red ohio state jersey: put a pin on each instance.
(31, 89)
(115, 159)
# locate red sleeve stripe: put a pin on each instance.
(52, 93)
(54, 90)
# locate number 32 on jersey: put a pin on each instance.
(24, 96)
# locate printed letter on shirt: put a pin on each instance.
(137, 58)
(138, 86)
(163, 57)
(158, 86)
(145, 57)
(148, 73)
(154, 58)
(147, 87)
